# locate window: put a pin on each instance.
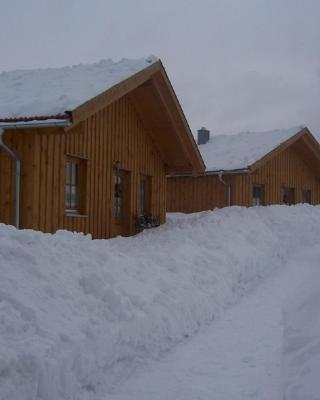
(122, 218)
(75, 185)
(258, 195)
(288, 196)
(121, 195)
(118, 195)
(306, 196)
(145, 194)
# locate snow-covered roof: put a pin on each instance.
(53, 91)
(229, 152)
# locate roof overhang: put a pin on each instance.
(155, 101)
(303, 143)
(44, 123)
(22, 119)
(218, 172)
(153, 97)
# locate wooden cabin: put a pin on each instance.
(250, 169)
(87, 148)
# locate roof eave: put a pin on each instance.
(31, 118)
(238, 171)
(115, 92)
(198, 162)
(278, 149)
(123, 88)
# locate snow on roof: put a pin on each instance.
(228, 152)
(56, 90)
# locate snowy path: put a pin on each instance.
(237, 357)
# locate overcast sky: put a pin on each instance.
(235, 64)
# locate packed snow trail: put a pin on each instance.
(79, 317)
(237, 357)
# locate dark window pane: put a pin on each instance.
(258, 195)
(74, 198)
(288, 196)
(74, 173)
(306, 196)
(72, 189)
(68, 173)
(67, 197)
(142, 196)
(118, 196)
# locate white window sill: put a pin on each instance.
(75, 214)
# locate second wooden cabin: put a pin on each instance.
(249, 169)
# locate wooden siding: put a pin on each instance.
(193, 194)
(287, 169)
(114, 133)
(23, 146)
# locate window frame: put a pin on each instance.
(145, 201)
(77, 180)
(121, 211)
(291, 191)
(118, 206)
(308, 193)
(262, 195)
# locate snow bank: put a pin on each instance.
(53, 91)
(227, 152)
(77, 316)
(301, 356)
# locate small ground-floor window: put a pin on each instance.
(306, 196)
(258, 195)
(75, 182)
(288, 196)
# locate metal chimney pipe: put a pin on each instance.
(203, 136)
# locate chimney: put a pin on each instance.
(203, 135)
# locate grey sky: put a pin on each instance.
(235, 64)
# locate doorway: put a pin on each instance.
(122, 202)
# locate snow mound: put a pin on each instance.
(301, 355)
(56, 90)
(77, 315)
(227, 152)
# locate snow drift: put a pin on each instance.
(77, 316)
(301, 355)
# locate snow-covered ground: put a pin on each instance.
(241, 355)
(79, 317)
(301, 362)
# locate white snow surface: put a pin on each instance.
(240, 355)
(53, 91)
(228, 152)
(79, 316)
(301, 355)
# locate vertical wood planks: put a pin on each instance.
(113, 134)
(189, 194)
